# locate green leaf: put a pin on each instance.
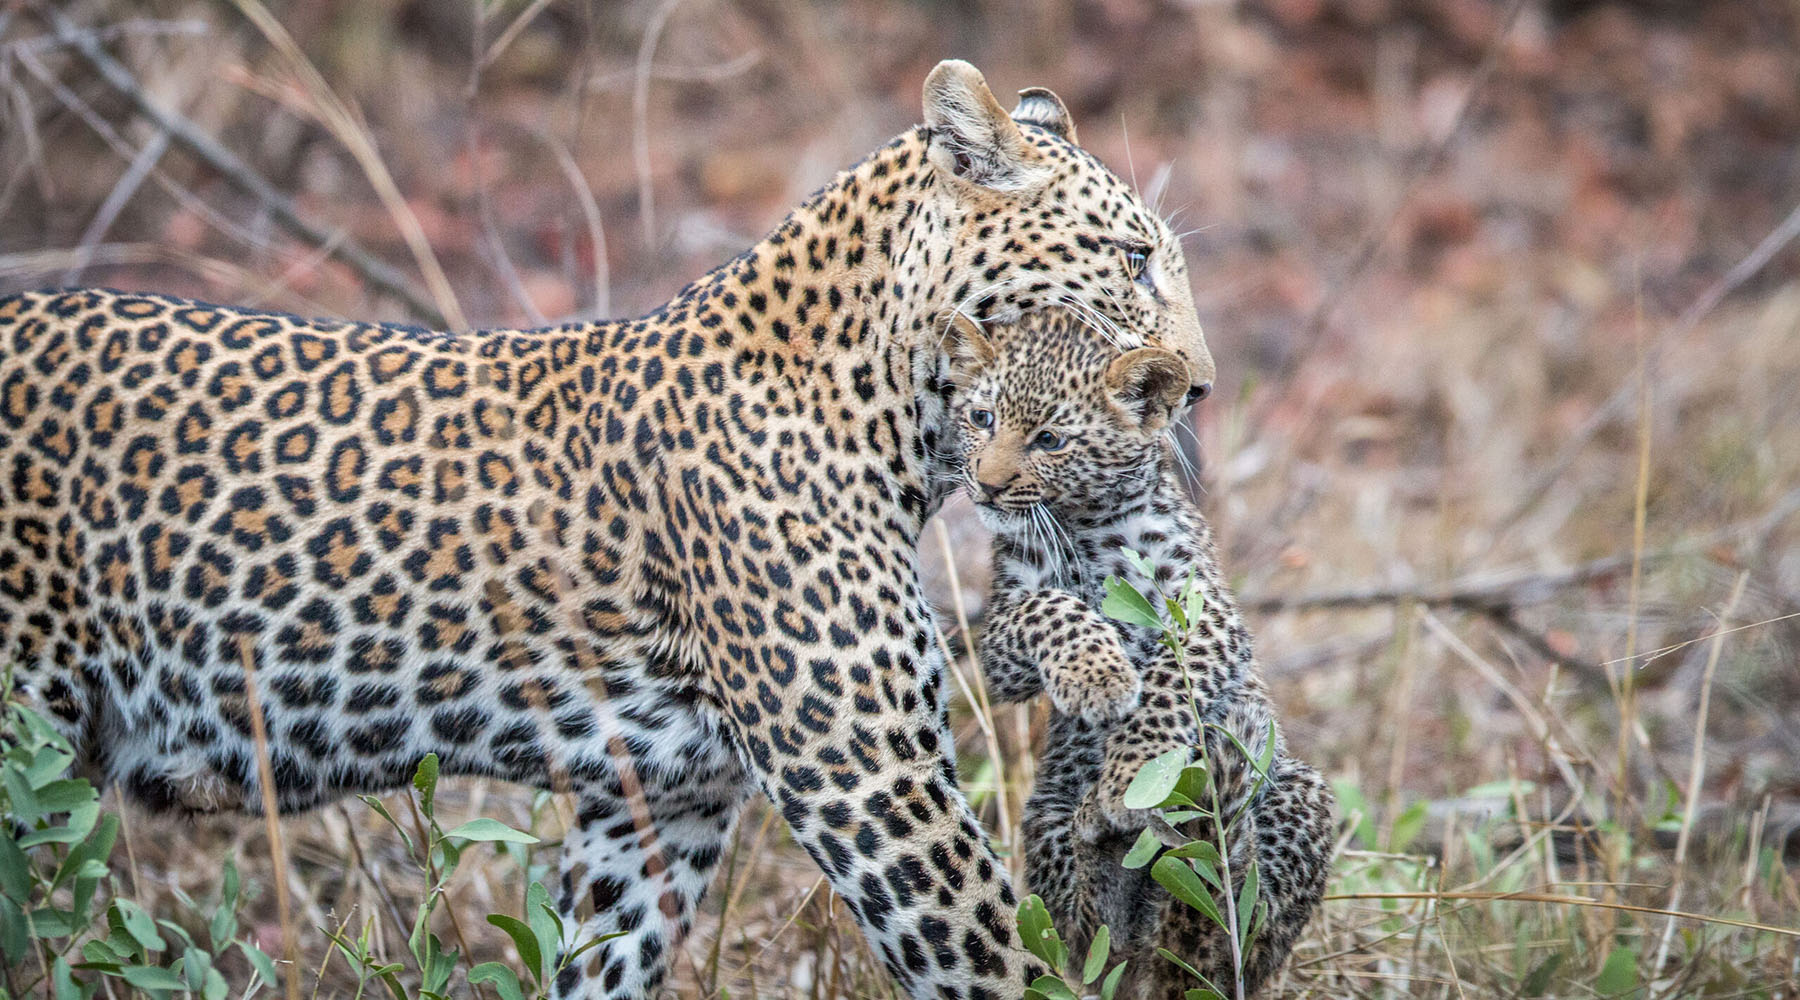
(150, 977)
(1177, 614)
(1039, 935)
(195, 964)
(1174, 875)
(380, 810)
(15, 872)
(522, 939)
(222, 927)
(1051, 988)
(505, 980)
(260, 961)
(1202, 995)
(1155, 780)
(1143, 851)
(1192, 784)
(1138, 562)
(1110, 985)
(1171, 956)
(97, 847)
(1407, 827)
(214, 986)
(81, 820)
(425, 780)
(51, 922)
(1124, 603)
(1619, 974)
(63, 979)
(488, 830)
(1096, 956)
(64, 795)
(1501, 790)
(139, 924)
(14, 938)
(1351, 803)
(1246, 902)
(1193, 597)
(1538, 979)
(1204, 857)
(545, 924)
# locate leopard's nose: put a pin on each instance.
(1199, 392)
(989, 491)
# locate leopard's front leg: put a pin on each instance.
(1050, 640)
(843, 727)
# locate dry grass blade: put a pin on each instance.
(1561, 900)
(265, 779)
(590, 213)
(349, 129)
(1697, 767)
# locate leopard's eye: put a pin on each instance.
(1049, 441)
(1137, 262)
(983, 419)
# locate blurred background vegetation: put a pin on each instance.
(1504, 457)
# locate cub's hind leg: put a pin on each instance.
(1287, 828)
(637, 866)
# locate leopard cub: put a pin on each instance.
(1061, 443)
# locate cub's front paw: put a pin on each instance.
(1092, 680)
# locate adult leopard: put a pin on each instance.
(658, 563)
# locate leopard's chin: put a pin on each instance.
(1000, 519)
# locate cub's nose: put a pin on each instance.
(1199, 392)
(989, 491)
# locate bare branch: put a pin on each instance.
(378, 273)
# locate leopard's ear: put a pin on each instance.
(1041, 107)
(972, 139)
(967, 346)
(1146, 386)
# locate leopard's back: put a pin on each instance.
(381, 520)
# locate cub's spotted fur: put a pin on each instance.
(1063, 448)
(660, 563)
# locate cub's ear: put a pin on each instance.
(1146, 386)
(967, 346)
(1041, 107)
(972, 138)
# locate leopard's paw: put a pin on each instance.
(1093, 680)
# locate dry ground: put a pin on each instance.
(1493, 324)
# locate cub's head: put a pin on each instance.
(1035, 222)
(1049, 412)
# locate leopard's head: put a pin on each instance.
(1048, 412)
(1037, 222)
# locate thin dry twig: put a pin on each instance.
(128, 184)
(265, 778)
(1697, 767)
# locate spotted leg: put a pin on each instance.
(637, 868)
(1049, 640)
(856, 753)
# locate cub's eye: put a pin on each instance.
(982, 418)
(1048, 441)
